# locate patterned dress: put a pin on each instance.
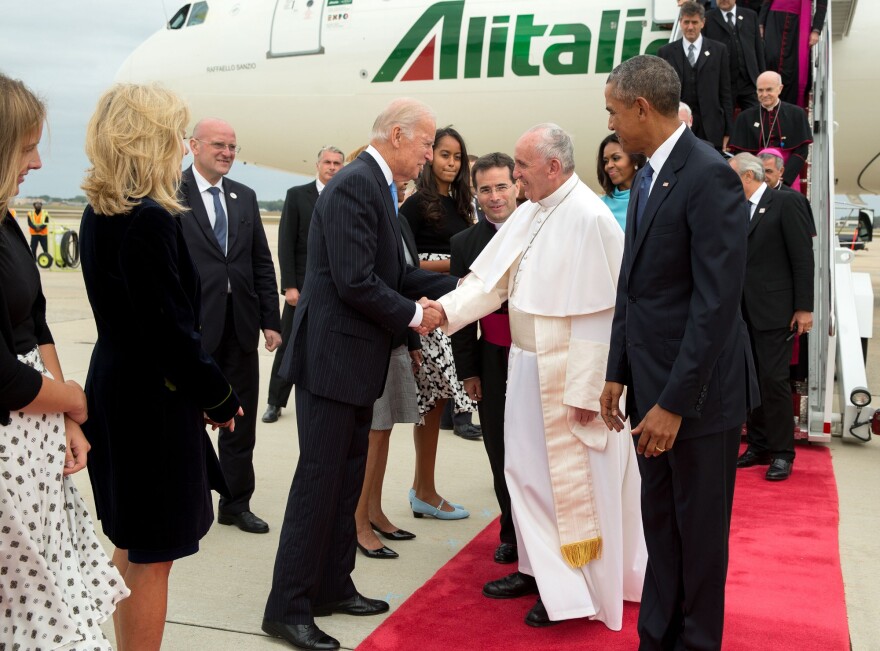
(56, 583)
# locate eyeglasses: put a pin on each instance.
(220, 146)
(487, 190)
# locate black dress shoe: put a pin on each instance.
(397, 534)
(302, 636)
(506, 553)
(358, 605)
(382, 552)
(538, 616)
(468, 431)
(246, 521)
(511, 586)
(751, 458)
(271, 414)
(779, 470)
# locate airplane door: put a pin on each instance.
(296, 28)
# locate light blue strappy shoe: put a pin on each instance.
(412, 496)
(421, 509)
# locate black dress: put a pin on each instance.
(152, 465)
(56, 582)
(436, 378)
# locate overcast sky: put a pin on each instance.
(68, 51)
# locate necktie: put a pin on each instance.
(692, 57)
(730, 21)
(644, 191)
(220, 222)
(393, 187)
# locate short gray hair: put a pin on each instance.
(330, 148)
(690, 8)
(684, 107)
(749, 163)
(403, 112)
(777, 161)
(554, 142)
(649, 77)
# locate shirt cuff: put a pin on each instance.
(417, 319)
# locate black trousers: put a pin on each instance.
(493, 378)
(279, 389)
(39, 240)
(316, 551)
(771, 426)
(687, 498)
(743, 92)
(236, 448)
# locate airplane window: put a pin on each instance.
(177, 20)
(198, 14)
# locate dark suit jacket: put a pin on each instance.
(247, 266)
(466, 247)
(779, 272)
(750, 41)
(713, 85)
(678, 337)
(358, 293)
(293, 234)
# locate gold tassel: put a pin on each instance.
(580, 553)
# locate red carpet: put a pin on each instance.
(784, 587)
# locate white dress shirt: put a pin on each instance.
(658, 160)
(208, 199)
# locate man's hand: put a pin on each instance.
(814, 38)
(657, 431)
(609, 403)
(804, 321)
(273, 339)
(582, 416)
(291, 296)
(433, 316)
(473, 388)
(76, 454)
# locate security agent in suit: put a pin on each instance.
(358, 295)
(737, 28)
(481, 360)
(239, 298)
(680, 347)
(777, 303)
(703, 69)
(293, 236)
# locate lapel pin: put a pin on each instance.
(762, 210)
(706, 53)
(665, 184)
(756, 125)
(233, 195)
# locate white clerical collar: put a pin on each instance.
(561, 192)
(386, 170)
(496, 225)
(319, 185)
(661, 154)
(203, 184)
(774, 107)
(686, 44)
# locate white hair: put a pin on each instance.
(749, 163)
(554, 142)
(403, 112)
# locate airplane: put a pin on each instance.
(294, 75)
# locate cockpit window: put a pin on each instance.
(179, 19)
(198, 14)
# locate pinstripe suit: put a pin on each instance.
(352, 306)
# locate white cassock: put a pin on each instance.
(574, 490)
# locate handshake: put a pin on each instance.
(433, 316)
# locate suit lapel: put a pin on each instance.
(762, 207)
(197, 208)
(663, 184)
(390, 211)
(233, 214)
(704, 55)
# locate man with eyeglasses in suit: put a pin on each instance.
(227, 242)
